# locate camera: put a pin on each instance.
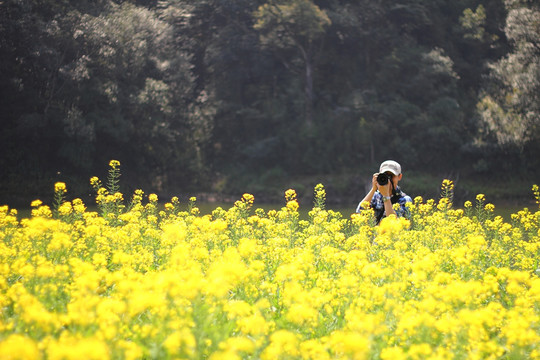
(383, 178)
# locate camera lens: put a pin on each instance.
(382, 179)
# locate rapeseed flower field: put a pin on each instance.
(135, 280)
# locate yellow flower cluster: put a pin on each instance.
(142, 283)
(60, 187)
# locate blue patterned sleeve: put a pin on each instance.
(376, 203)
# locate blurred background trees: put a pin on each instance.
(510, 100)
(237, 95)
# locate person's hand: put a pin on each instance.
(385, 190)
(374, 183)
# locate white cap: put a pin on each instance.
(392, 166)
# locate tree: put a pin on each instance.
(137, 95)
(89, 81)
(297, 24)
(510, 100)
(35, 42)
(237, 78)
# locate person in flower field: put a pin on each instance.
(385, 192)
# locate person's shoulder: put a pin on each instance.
(405, 198)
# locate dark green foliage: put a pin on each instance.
(510, 103)
(215, 94)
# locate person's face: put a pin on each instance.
(395, 178)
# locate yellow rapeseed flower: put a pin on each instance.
(393, 353)
(77, 348)
(353, 344)
(292, 205)
(283, 343)
(290, 195)
(254, 324)
(180, 342)
(248, 198)
(302, 314)
(114, 164)
(60, 187)
(18, 347)
(94, 181)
